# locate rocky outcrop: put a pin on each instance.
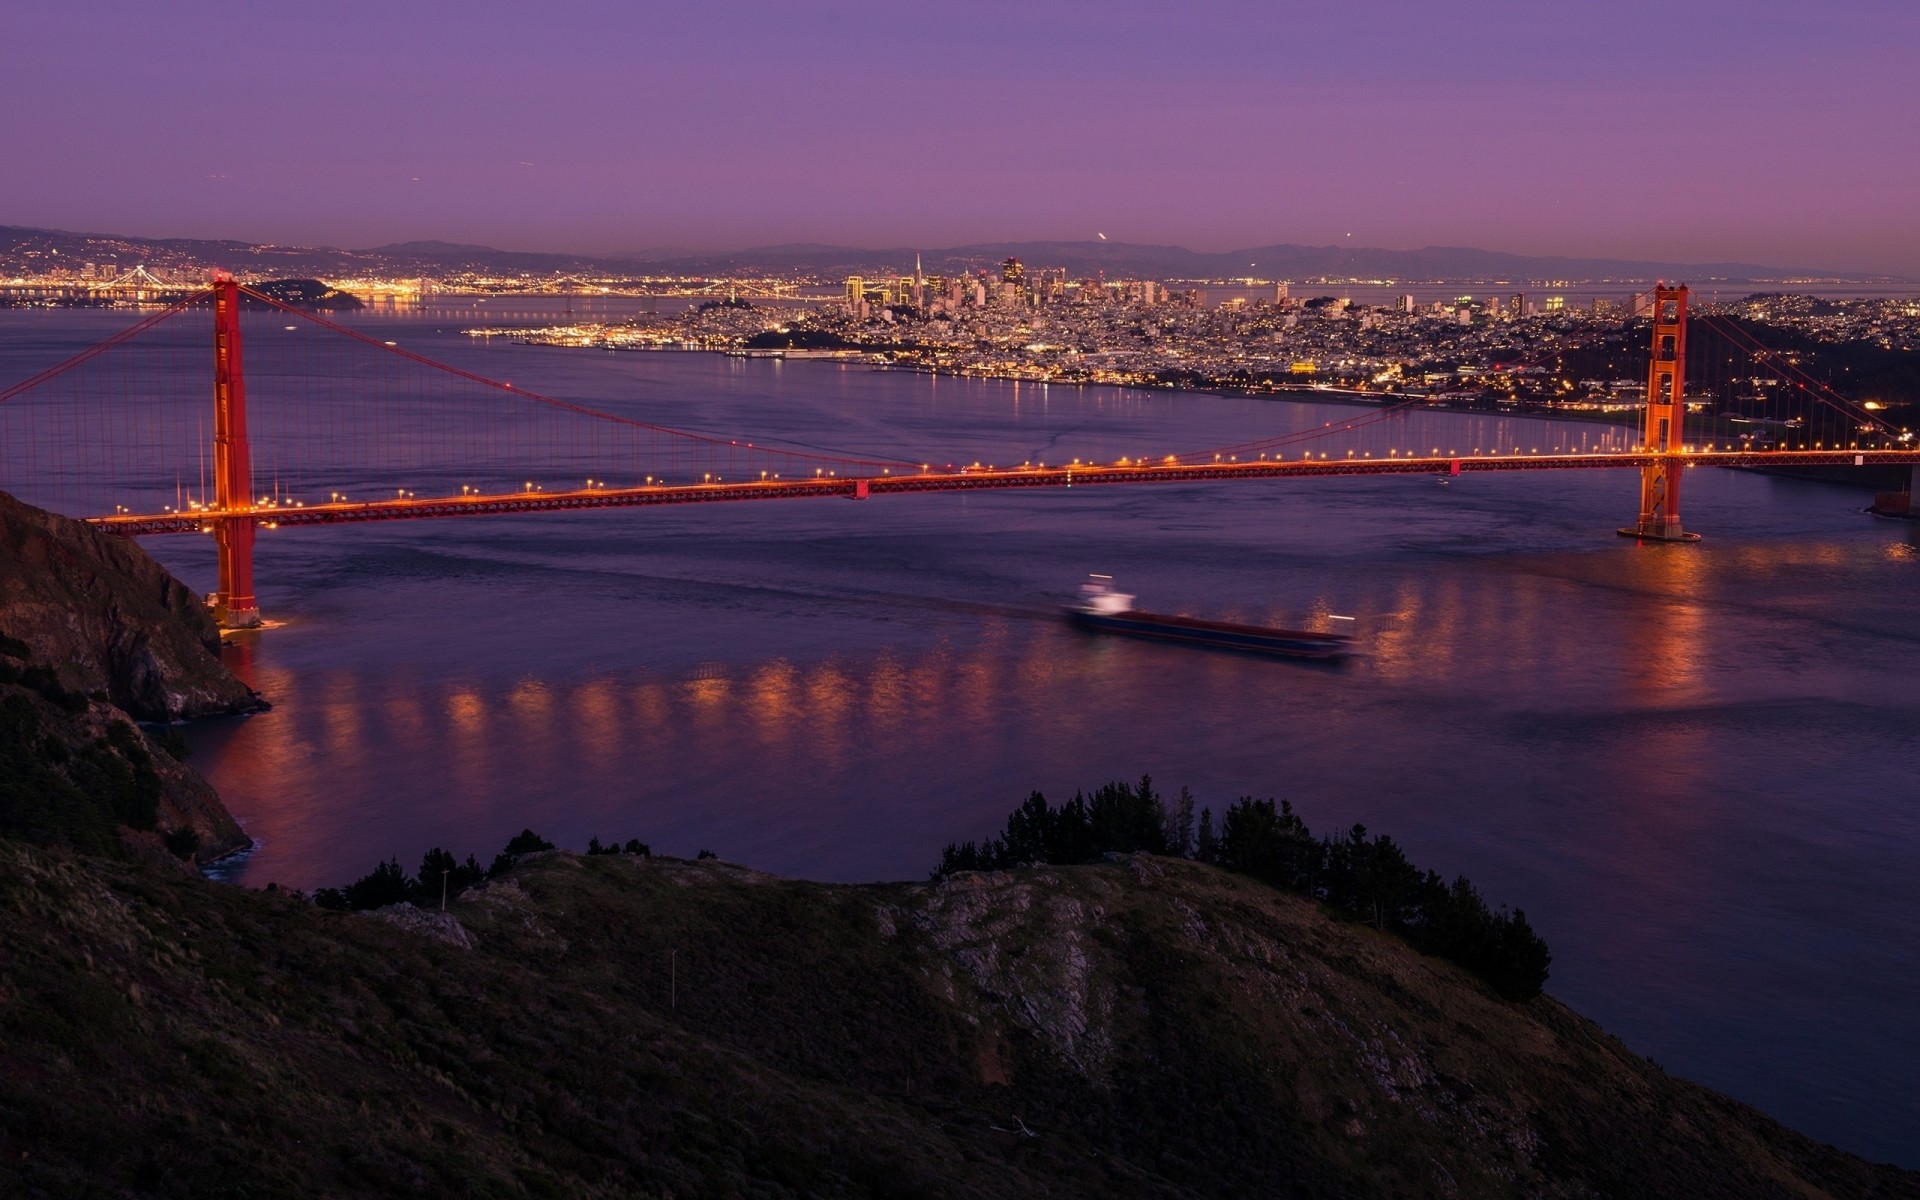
(109, 620)
(985, 924)
(430, 923)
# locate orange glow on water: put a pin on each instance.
(595, 712)
(772, 697)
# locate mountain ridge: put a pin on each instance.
(25, 245)
(1276, 260)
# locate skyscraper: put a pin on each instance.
(1012, 272)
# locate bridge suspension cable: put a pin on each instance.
(1791, 372)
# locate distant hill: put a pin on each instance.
(1278, 261)
(28, 249)
(31, 250)
(309, 294)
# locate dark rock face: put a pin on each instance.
(109, 619)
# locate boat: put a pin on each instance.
(1102, 609)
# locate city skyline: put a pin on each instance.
(620, 130)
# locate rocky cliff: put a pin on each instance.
(109, 619)
(76, 771)
(614, 1025)
(93, 633)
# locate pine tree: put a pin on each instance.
(1179, 828)
(387, 884)
(1206, 846)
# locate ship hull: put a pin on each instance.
(1252, 639)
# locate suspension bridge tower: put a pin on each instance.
(1666, 413)
(233, 518)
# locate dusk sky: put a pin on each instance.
(1764, 131)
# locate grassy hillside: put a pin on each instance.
(615, 1025)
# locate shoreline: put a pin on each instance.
(1297, 394)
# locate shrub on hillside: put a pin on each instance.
(524, 842)
(56, 792)
(1116, 818)
(442, 877)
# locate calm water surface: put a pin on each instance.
(1695, 768)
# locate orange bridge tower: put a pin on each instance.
(233, 605)
(1666, 413)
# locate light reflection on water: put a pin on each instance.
(1693, 767)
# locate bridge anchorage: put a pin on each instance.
(1666, 414)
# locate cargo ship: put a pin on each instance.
(1101, 609)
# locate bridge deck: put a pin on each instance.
(1085, 475)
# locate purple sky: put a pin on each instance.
(1537, 126)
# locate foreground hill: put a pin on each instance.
(614, 1025)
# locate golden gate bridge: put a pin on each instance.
(121, 435)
